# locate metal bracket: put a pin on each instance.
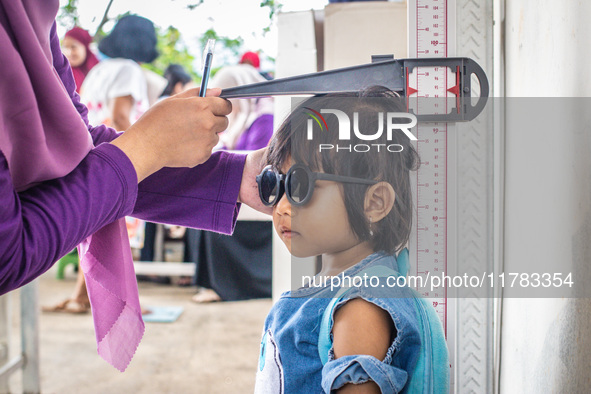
(389, 73)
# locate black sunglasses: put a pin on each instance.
(300, 184)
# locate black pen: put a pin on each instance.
(208, 56)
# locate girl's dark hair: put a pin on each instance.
(174, 74)
(291, 141)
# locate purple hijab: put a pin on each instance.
(43, 137)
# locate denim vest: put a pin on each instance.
(296, 349)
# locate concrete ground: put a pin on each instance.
(211, 348)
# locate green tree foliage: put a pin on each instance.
(68, 14)
(274, 8)
(227, 50)
(234, 45)
(171, 46)
(193, 6)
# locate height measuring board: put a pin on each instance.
(433, 90)
(452, 188)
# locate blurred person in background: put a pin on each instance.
(251, 120)
(116, 90)
(254, 60)
(237, 267)
(177, 80)
(76, 47)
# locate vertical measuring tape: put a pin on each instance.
(431, 31)
(433, 90)
(434, 243)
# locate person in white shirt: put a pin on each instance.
(116, 90)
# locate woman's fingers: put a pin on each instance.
(215, 92)
(249, 192)
(218, 106)
(223, 123)
(194, 92)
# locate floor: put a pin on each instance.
(211, 348)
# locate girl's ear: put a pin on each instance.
(379, 200)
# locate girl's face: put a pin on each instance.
(319, 227)
(74, 51)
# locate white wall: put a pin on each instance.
(548, 46)
(546, 343)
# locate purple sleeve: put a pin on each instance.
(202, 197)
(45, 222)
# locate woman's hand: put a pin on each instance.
(179, 131)
(249, 190)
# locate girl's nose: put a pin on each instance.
(283, 207)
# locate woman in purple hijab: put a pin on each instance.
(76, 47)
(65, 183)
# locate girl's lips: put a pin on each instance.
(286, 232)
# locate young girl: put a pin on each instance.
(346, 195)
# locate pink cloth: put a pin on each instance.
(112, 287)
(44, 137)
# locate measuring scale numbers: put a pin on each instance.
(432, 91)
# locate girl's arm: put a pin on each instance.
(361, 327)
